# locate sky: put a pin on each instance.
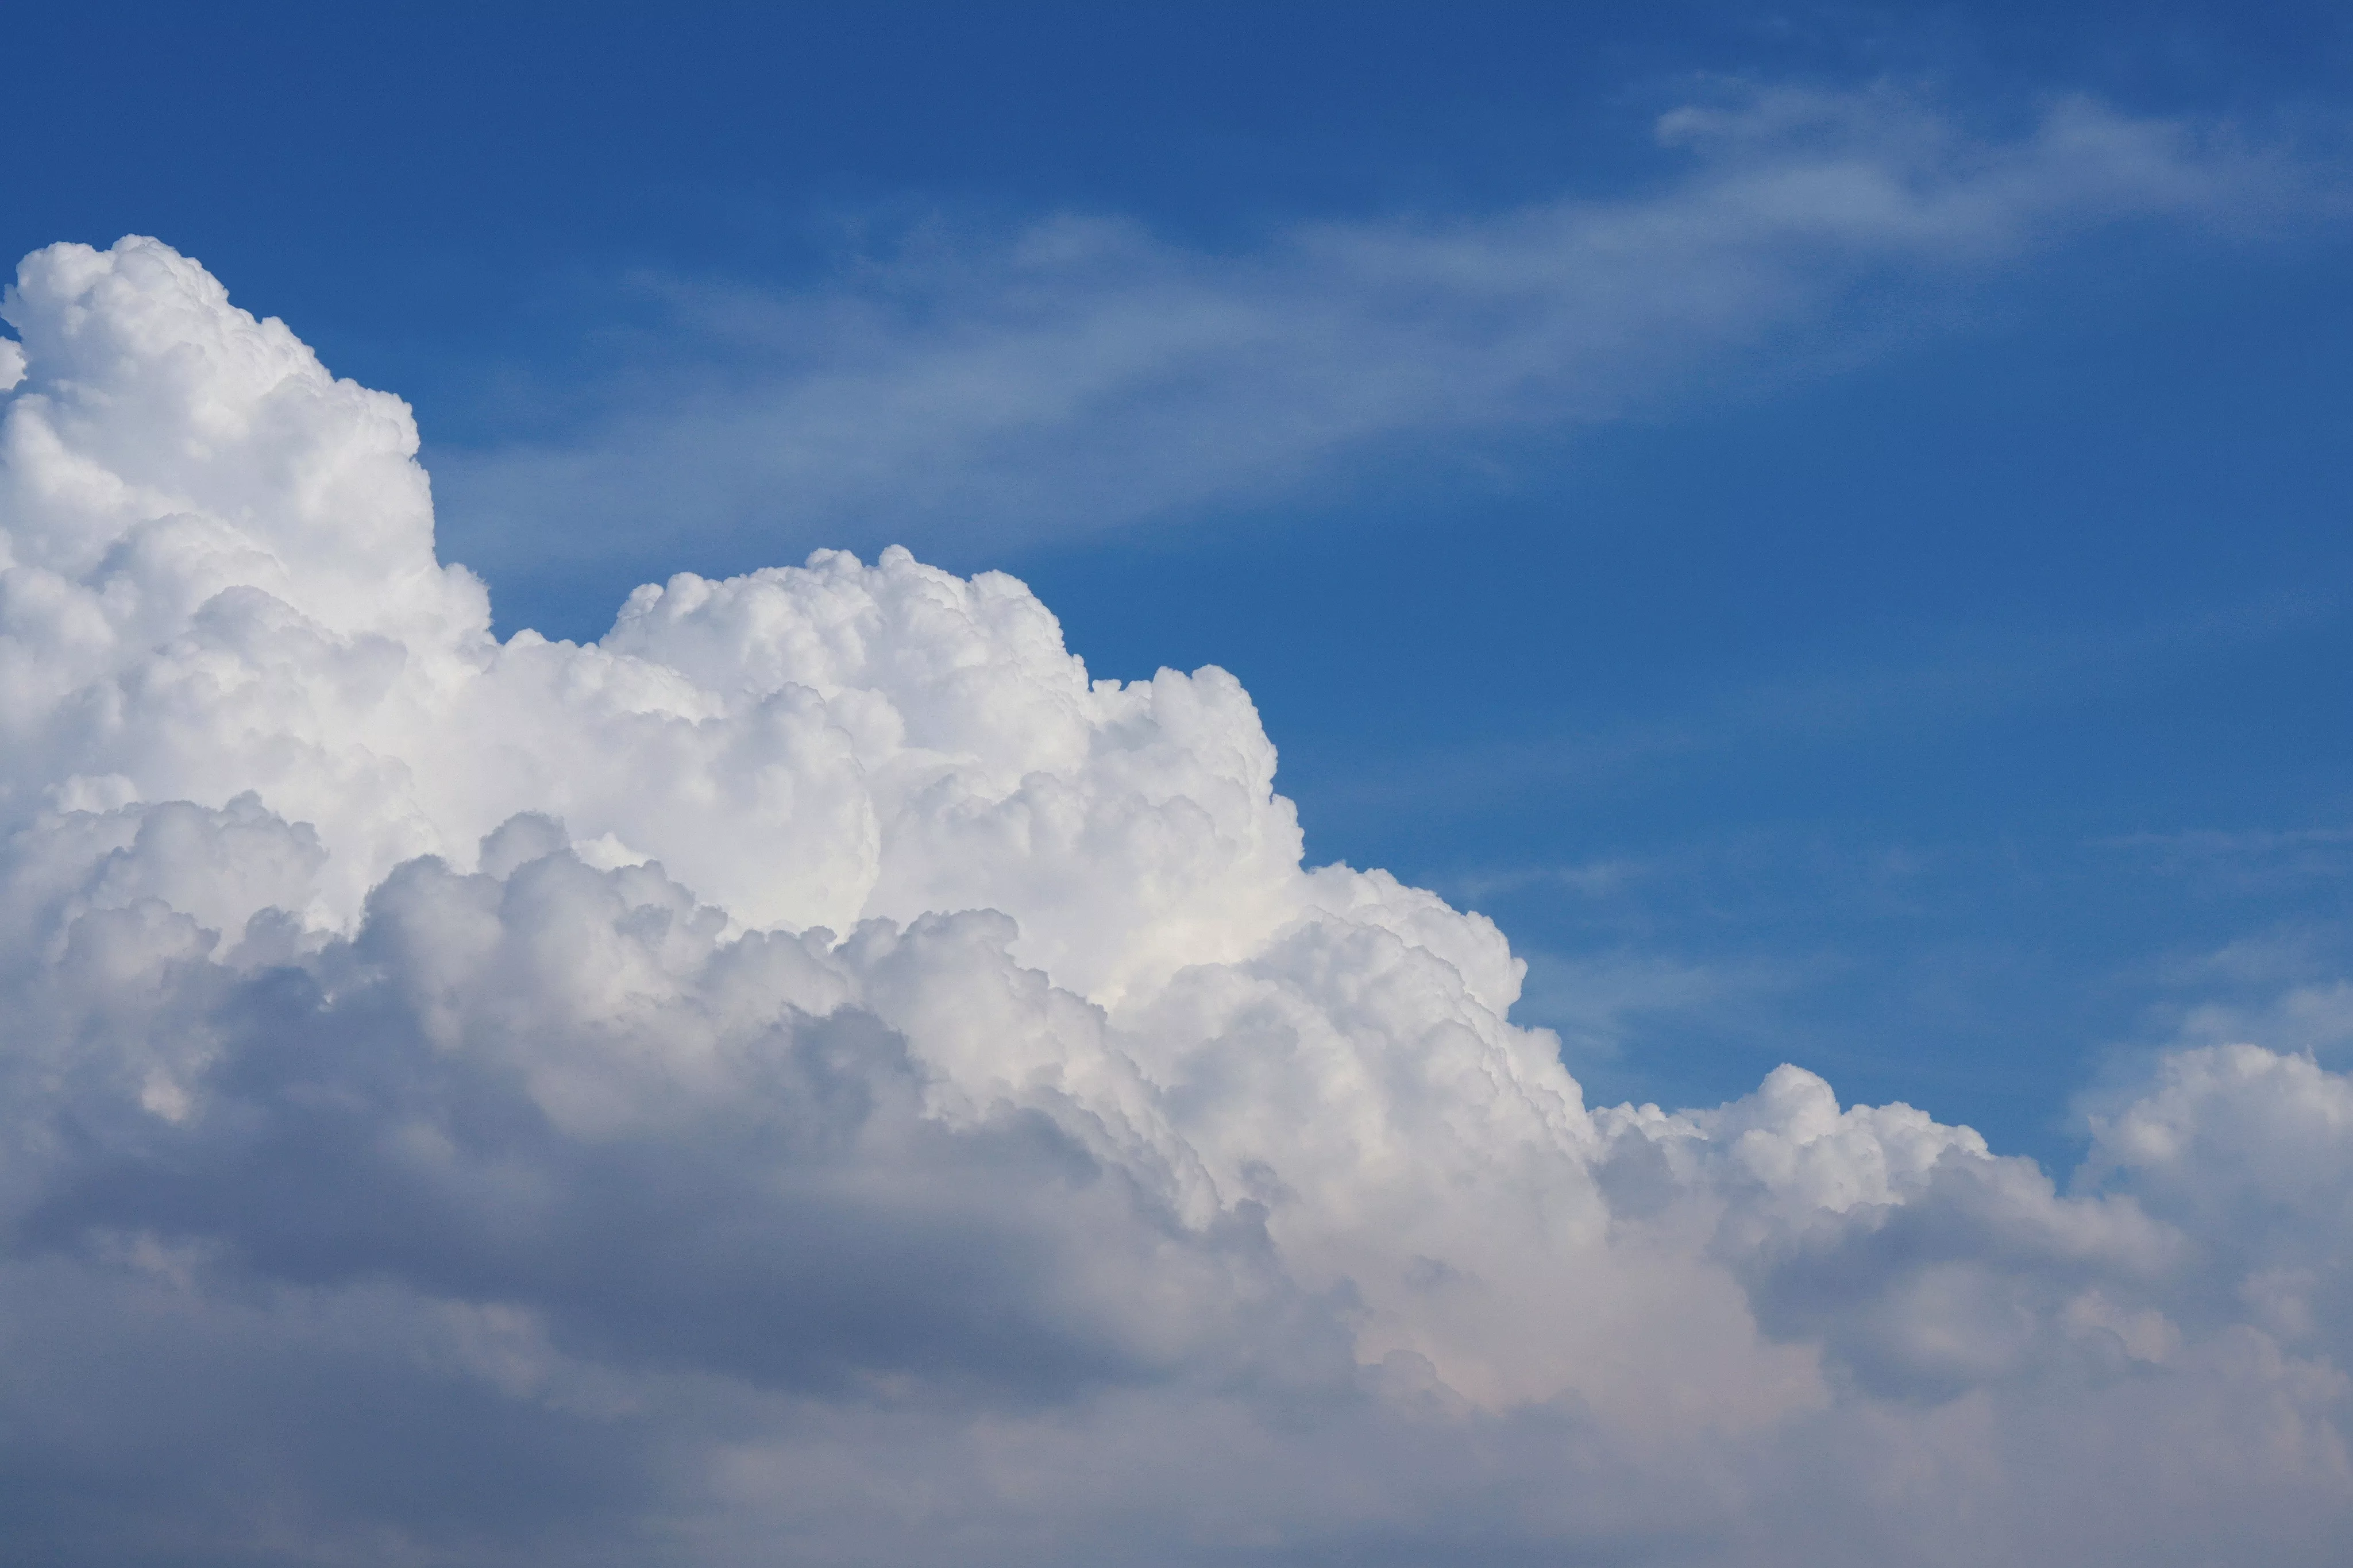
(1819, 527)
(1813, 672)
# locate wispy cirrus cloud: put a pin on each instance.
(1083, 373)
(1943, 678)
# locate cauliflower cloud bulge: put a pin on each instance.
(811, 1076)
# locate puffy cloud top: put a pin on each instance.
(812, 1073)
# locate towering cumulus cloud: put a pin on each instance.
(812, 1077)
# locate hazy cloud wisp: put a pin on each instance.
(1083, 374)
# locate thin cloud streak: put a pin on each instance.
(1975, 674)
(1087, 376)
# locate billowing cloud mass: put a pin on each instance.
(813, 1078)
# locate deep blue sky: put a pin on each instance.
(1945, 698)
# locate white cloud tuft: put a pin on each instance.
(814, 1076)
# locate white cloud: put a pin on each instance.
(1085, 375)
(815, 1076)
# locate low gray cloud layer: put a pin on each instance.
(815, 1078)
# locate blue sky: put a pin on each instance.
(1826, 521)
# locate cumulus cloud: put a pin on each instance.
(814, 1077)
(1083, 374)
